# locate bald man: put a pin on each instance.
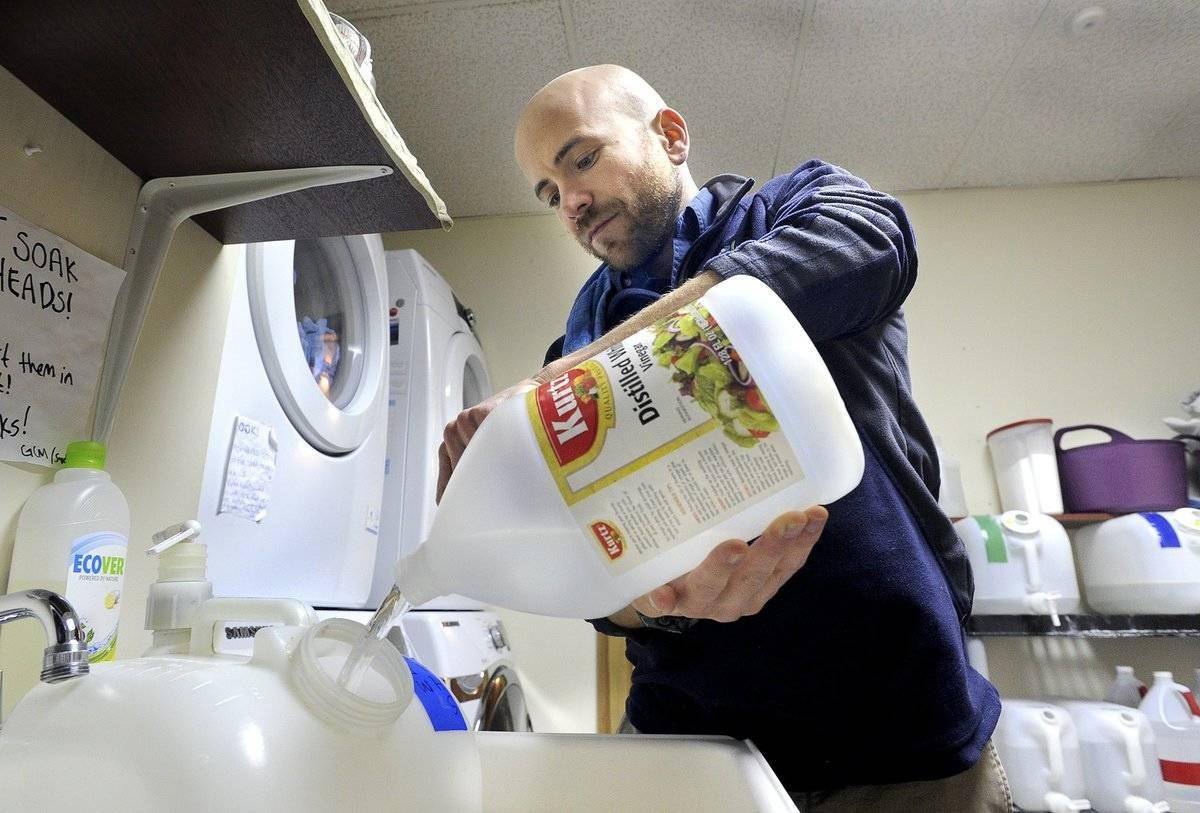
(835, 640)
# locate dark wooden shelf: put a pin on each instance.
(1087, 626)
(179, 88)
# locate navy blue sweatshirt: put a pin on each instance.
(855, 672)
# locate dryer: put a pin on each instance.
(437, 369)
(304, 362)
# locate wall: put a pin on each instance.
(72, 188)
(1070, 302)
(156, 453)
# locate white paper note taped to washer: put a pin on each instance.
(249, 470)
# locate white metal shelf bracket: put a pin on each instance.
(162, 205)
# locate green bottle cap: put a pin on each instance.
(85, 454)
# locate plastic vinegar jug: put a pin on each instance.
(71, 538)
(1126, 689)
(623, 472)
(1177, 731)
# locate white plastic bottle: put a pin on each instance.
(1126, 689)
(624, 472)
(173, 601)
(71, 538)
(1177, 732)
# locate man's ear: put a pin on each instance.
(674, 132)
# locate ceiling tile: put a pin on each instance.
(1087, 108)
(1172, 151)
(724, 66)
(891, 90)
(453, 78)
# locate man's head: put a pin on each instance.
(601, 148)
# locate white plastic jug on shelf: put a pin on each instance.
(1039, 749)
(1126, 689)
(1177, 731)
(1142, 563)
(625, 471)
(1022, 565)
(1120, 760)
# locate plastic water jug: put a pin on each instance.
(624, 472)
(1177, 731)
(1022, 564)
(212, 732)
(1120, 759)
(1039, 749)
(275, 732)
(1142, 563)
(1126, 689)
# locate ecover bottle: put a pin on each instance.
(71, 538)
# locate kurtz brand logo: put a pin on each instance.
(609, 538)
(569, 409)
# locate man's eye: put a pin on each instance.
(586, 161)
(552, 201)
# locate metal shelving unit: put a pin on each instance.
(1086, 626)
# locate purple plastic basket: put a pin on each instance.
(1123, 475)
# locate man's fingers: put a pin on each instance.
(746, 593)
(445, 469)
(797, 554)
(698, 589)
(659, 601)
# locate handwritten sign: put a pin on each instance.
(249, 470)
(56, 303)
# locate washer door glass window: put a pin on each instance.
(329, 317)
(320, 320)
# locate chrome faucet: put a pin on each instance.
(65, 656)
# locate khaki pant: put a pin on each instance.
(981, 789)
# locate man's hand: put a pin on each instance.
(458, 432)
(735, 579)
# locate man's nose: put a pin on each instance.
(575, 203)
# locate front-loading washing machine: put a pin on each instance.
(304, 365)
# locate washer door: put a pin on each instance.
(502, 706)
(320, 318)
(465, 380)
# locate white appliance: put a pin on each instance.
(305, 356)
(1142, 563)
(1022, 564)
(437, 370)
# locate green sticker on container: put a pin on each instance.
(997, 551)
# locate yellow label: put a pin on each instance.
(660, 437)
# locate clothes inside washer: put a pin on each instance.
(322, 350)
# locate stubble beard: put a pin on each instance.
(651, 219)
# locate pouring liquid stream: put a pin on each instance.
(359, 660)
